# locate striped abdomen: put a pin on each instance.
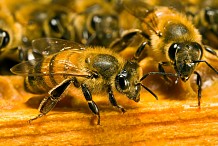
(54, 68)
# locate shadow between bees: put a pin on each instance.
(6, 64)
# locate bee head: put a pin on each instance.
(56, 27)
(105, 27)
(127, 80)
(4, 38)
(183, 56)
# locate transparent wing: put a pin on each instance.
(48, 46)
(35, 68)
(138, 8)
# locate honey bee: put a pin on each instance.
(52, 22)
(93, 70)
(96, 22)
(206, 21)
(172, 38)
(10, 33)
(37, 21)
(203, 14)
(95, 25)
(86, 22)
(98, 25)
(23, 21)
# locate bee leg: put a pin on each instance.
(90, 39)
(199, 84)
(26, 54)
(92, 105)
(113, 100)
(139, 51)
(48, 103)
(121, 43)
(45, 106)
(198, 61)
(210, 50)
(161, 69)
(157, 73)
(211, 15)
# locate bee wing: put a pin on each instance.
(48, 46)
(138, 8)
(35, 68)
(25, 67)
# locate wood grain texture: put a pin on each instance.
(166, 121)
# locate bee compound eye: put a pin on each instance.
(196, 46)
(95, 19)
(54, 23)
(172, 51)
(124, 84)
(4, 38)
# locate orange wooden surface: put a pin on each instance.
(166, 121)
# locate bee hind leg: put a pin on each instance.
(113, 100)
(48, 103)
(92, 105)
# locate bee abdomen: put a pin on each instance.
(61, 62)
(52, 70)
(54, 65)
(36, 84)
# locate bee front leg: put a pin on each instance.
(90, 39)
(92, 105)
(127, 37)
(199, 84)
(48, 103)
(139, 50)
(113, 100)
(161, 69)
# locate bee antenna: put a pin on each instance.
(157, 73)
(146, 88)
(139, 51)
